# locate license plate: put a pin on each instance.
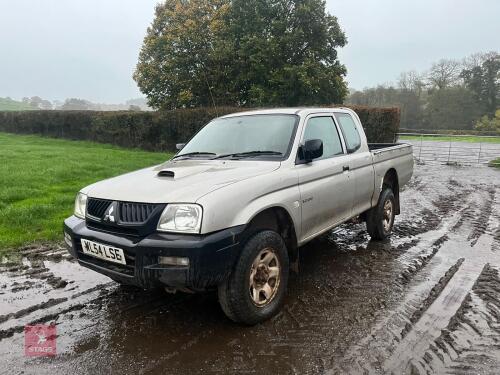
(98, 250)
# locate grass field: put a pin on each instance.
(470, 139)
(7, 104)
(39, 178)
(495, 163)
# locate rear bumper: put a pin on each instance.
(211, 256)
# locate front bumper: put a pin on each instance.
(211, 256)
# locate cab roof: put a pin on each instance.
(301, 111)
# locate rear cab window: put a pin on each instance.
(350, 131)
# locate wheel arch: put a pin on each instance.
(276, 218)
(391, 180)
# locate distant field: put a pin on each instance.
(12, 105)
(470, 139)
(39, 178)
(495, 163)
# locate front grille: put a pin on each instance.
(115, 229)
(135, 213)
(126, 269)
(97, 207)
(127, 218)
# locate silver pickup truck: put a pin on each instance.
(231, 209)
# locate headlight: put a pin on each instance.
(184, 218)
(80, 205)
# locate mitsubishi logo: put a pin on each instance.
(109, 214)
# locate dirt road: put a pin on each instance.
(425, 301)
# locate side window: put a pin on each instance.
(351, 135)
(324, 128)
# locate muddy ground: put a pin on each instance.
(425, 301)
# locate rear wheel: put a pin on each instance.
(256, 289)
(380, 219)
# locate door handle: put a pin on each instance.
(345, 168)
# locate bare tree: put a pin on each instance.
(477, 59)
(411, 81)
(444, 73)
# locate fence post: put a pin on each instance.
(479, 157)
(420, 150)
(449, 152)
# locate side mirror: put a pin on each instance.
(312, 149)
(179, 146)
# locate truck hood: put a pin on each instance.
(178, 181)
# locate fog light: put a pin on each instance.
(67, 239)
(174, 261)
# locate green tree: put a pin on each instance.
(451, 108)
(74, 104)
(134, 108)
(487, 124)
(484, 81)
(257, 52)
(179, 63)
(407, 97)
(286, 53)
(38, 103)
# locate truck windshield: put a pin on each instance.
(253, 136)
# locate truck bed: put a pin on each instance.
(379, 146)
(386, 151)
(386, 156)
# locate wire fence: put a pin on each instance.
(453, 149)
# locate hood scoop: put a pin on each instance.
(166, 173)
(178, 172)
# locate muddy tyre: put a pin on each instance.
(256, 289)
(380, 219)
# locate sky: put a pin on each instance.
(88, 48)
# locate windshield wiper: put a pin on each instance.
(194, 153)
(247, 154)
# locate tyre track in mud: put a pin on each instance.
(422, 318)
(471, 341)
(389, 330)
(345, 312)
(433, 295)
(480, 221)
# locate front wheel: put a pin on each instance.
(256, 289)
(380, 219)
